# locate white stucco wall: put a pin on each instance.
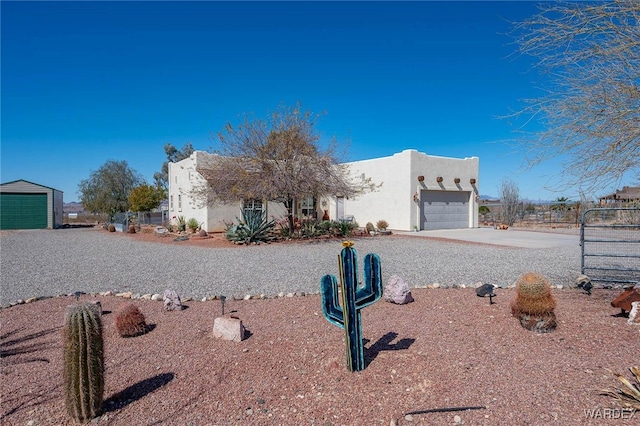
(183, 177)
(398, 174)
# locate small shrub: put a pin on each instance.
(130, 321)
(193, 224)
(369, 227)
(343, 228)
(180, 223)
(629, 395)
(382, 224)
(253, 228)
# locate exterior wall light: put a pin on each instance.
(472, 181)
(456, 180)
(420, 178)
(439, 179)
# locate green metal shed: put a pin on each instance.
(27, 205)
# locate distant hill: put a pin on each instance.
(73, 207)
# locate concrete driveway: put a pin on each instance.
(510, 237)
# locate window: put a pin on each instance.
(308, 207)
(252, 205)
(179, 202)
(171, 202)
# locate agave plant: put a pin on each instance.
(253, 228)
(629, 395)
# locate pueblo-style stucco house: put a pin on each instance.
(414, 191)
(417, 192)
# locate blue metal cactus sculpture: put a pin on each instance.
(354, 298)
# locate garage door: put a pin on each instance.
(23, 211)
(444, 209)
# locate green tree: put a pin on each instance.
(588, 55)
(174, 154)
(278, 159)
(144, 198)
(107, 189)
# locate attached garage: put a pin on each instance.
(27, 205)
(444, 210)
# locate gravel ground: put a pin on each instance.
(47, 263)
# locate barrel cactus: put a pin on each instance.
(130, 322)
(534, 303)
(83, 362)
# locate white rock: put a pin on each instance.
(156, 297)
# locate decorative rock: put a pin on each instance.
(281, 294)
(397, 291)
(247, 297)
(634, 314)
(106, 293)
(171, 300)
(146, 296)
(228, 327)
(31, 300)
(156, 297)
(136, 296)
(126, 294)
(290, 294)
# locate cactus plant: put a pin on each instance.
(130, 321)
(83, 361)
(354, 298)
(534, 303)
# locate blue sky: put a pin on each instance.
(86, 82)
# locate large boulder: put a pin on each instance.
(397, 291)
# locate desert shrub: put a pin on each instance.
(343, 228)
(369, 227)
(382, 224)
(629, 395)
(253, 228)
(193, 224)
(130, 322)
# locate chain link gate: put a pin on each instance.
(610, 245)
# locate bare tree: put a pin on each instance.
(589, 56)
(510, 200)
(278, 159)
